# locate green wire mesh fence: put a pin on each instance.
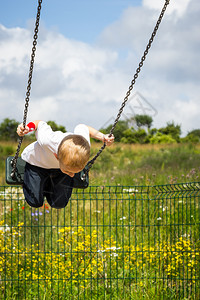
(118, 242)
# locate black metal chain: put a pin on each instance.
(91, 162)
(14, 161)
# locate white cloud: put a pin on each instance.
(68, 75)
(170, 74)
(178, 7)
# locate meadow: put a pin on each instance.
(134, 164)
(119, 239)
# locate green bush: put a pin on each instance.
(191, 138)
(160, 138)
(132, 136)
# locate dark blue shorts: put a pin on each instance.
(50, 183)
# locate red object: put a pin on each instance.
(31, 126)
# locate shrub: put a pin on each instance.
(160, 138)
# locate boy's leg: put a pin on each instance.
(34, 179)
(58, 188)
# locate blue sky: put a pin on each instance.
(86, 57)
(78, 19)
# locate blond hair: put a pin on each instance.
(74, 151)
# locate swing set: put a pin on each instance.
(15, 165)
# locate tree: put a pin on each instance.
(143, 120)
(173, 130)
(192, 137)
(8, 129)
(153, 131)
(195, 132)
(56, 127)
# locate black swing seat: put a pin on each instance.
(80, 180)
(18, 177)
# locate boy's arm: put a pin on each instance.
(108, 140)
(21, 130)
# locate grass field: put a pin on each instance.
(118, 239)
(134, 164)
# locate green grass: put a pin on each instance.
(120, 240)
(110, 242)
(147, 165)
(133, 164)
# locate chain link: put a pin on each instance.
(91, 162)
(14, 161)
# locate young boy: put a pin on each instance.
(53, 160)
